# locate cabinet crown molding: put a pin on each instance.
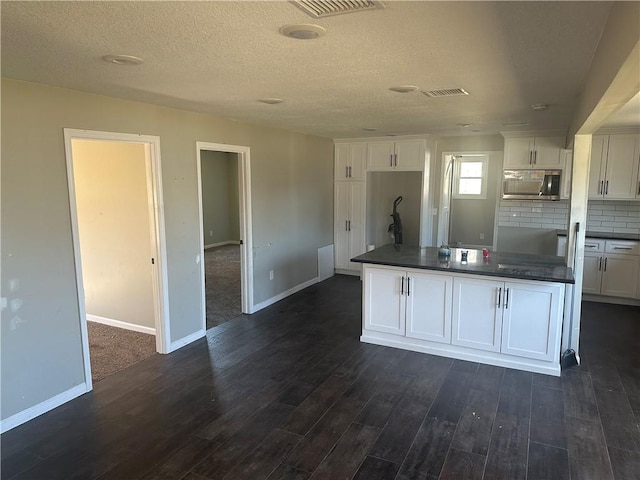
(534, 133)
(617, 130)
(385, 138)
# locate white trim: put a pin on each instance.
(221, 244)
(285, 294)
(156, 209)
(42, 407)
(246, 223)
(342, 271)
(534, 133)
(120, 324)
(173, 346)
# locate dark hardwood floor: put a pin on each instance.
(290, 393)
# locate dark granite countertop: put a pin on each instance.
(605, 235)
(546, 268)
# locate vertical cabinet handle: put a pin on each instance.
(499, 297)
(346, 172)
(535, 156)
(402, 286)
(346, 225)
(600, 264)
(350, 172)
(408, 286)
(391, 160)
(349, 224)
(605, 264)
(530, 157)
(506, 298)
(606, 187)
(396, 159)
(638, 187)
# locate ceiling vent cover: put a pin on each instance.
(447, 92)
(327, 8)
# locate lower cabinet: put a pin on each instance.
(409, 303)
(516, 318)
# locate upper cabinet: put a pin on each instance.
(350, 161)
(534, 152)
(613, 173)
(396, 155)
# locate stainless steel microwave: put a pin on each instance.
(531, 184)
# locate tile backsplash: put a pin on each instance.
(602, 215)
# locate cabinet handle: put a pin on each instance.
(605, 264)
(499, 296)
(349, 224)
(590, 245)
(606, 187)
(535, 157)
(600, 192)
(408, 286)
(506, 298)
(623, 248)
(346, 172)
(395, 156)
(391, 160)
(638, 187)
(346, 225)
(600, 264)
(530, 157)
(402, 286)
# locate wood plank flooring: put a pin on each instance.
(290, 393)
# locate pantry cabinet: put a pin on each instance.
(349, 218)
(406, 155)
(534, 152)
(350, 160)
(613, 171)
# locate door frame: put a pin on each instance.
(158, 242)
(246, 223)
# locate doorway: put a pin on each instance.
(224, 199)
(469, 200)
(118, 239)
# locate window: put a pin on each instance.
(470, 177)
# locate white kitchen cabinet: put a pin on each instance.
(591, 274)
(349, 215)
(408, 155)
(529, 320)
(614, 167)
(534, 152)
(620, 275)
(350, 160)
(611, 268)
(407, 302)
(477, 313)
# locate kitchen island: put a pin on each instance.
(504, 310)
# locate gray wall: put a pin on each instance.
(541, 241)
(382, 189)
(471, 217)
(41, 351)
(220, 207)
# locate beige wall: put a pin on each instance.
(114, 230)
(220, 202)
(292, 186)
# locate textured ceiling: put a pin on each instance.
(219, 57)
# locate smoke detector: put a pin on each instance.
(303, 31)
(327, 8)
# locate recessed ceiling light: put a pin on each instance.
(404, 88)
(539, 106)
(270, 101)
(464, 125)
(303, 31)
(124, 60)
(370, 129)
(515, 124)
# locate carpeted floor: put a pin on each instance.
(222, 284)
(113, 349)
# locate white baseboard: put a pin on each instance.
(120, 324)
(173, 346)
(221, 244)
(42, 407)
(284, 294)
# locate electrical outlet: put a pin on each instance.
(211, 233)
(482, 236)
(270, 274)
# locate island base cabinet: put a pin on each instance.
(477, 313)
(384, 303)
(529, 321)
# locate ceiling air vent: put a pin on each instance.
(326, 8)
(447, 92)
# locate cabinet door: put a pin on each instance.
(592, 274)
(429, 307)
(548, 152)
(620, 275)
(599, 146)
(410, 154)
(342, 212)
(358, 160)
(342, 152)
(355, 226)
(380, 155)
(477, 314)
(517, 152)
(621, 178)
(532, 316)
(384, 304)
